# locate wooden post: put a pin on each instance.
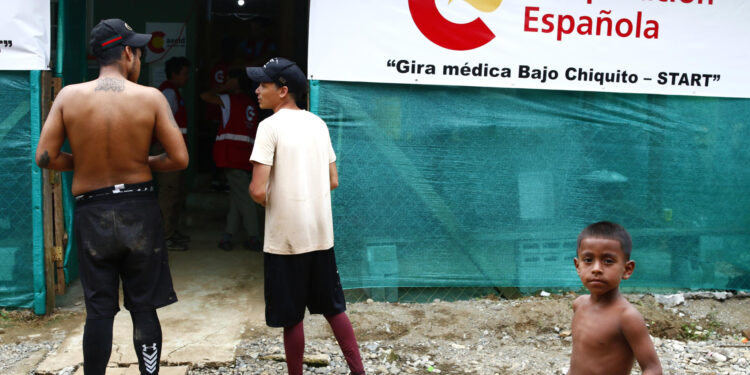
(59, 229)
(60, 236)
(48, 221)
(49, 256)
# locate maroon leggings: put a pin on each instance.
(294, 344)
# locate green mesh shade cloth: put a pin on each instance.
(461, 186)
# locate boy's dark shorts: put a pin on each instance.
(293, 282)
(120, 235)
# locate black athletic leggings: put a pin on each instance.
(97, 343)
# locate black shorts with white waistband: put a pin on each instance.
(120, 235)
(294, 282)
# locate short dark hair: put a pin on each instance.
(296, 93)
(174, 65)
(110, 55)
(608, 230)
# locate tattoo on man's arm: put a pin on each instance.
(110, 84)
(44, 160)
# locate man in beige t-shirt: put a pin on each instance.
(294, 171)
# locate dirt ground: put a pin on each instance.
(19, 325)
(529, 317)
(457, 321)
(451, 334)
(527, 335)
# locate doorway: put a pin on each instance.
(231, 35)
(253, 30)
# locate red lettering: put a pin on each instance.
(699, 2)
(566, 24)
(629, 25)
(528, 19)
(584, 27)
(561, 29)
(546, 19)
(638, 25)
(653, 31)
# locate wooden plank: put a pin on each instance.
(56, 87)
(59, 230)
(46, 87)
(60, 235)
(47, 204)
(49, 256)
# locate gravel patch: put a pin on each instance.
(545, 355)
(15, 353)
(484, 337)
(488, 337)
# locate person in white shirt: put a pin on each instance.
(294, 171)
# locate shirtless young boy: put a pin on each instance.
(109, 123)
(608, 332)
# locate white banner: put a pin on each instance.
(168, 39)
(25, 35)
(674, 47)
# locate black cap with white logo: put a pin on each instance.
(114, 31)
(281, 71)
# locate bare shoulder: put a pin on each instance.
(630, 315)
(69, 97)
(71, 91)
(143, 90)
(580, 301)
(148, 95)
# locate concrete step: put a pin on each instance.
(133, 370)
(220, 293)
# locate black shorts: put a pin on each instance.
(120, 235)
(293, 282)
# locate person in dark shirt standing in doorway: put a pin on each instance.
(171, 185)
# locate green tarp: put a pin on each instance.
(21, 253)
(449, 186)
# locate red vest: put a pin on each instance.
(217, 77)
(218, 74)
(234, 141)
(181, 115)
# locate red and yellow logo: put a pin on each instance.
(450, 35)
(156, 44)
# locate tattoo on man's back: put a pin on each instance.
(110, 84)
(44, 160)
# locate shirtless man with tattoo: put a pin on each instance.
(109, 123)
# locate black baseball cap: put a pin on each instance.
(281, 71)
(114, 31)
